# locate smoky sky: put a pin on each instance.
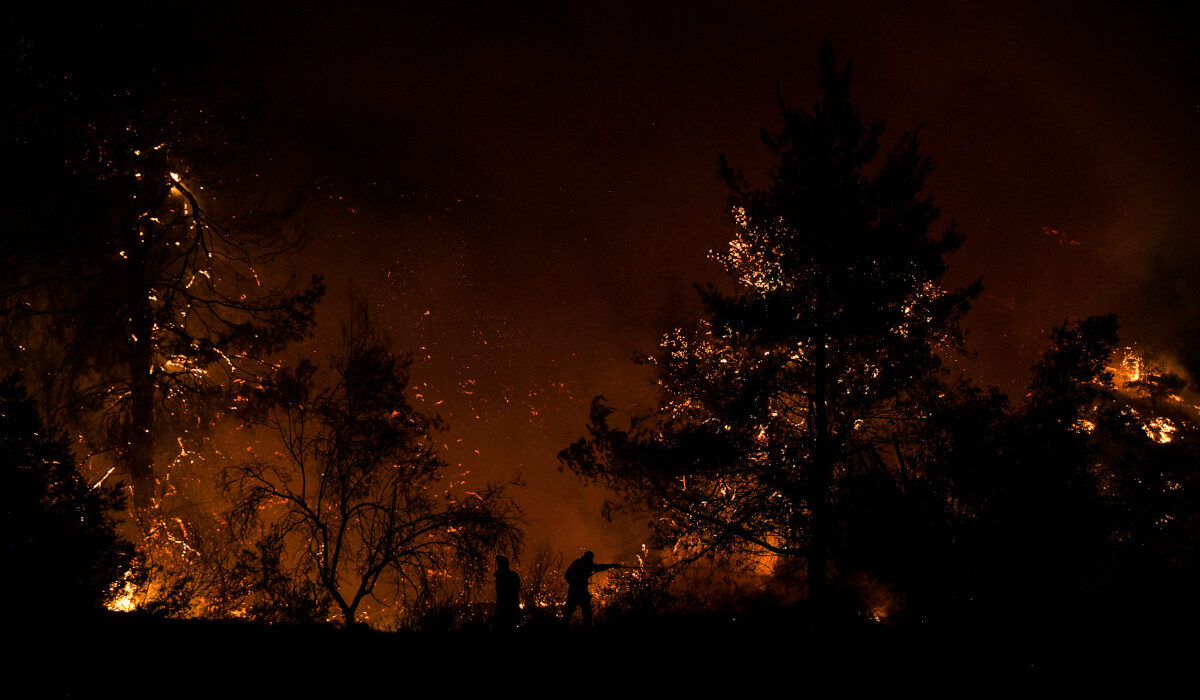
(525, 193)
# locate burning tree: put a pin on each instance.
(159, 313)
(138, 290)
(815, 360)
(1144, 455)
(355, 500)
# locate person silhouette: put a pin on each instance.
(508, 594)
(577, 575)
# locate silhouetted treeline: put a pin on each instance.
(808, 420)
(807, 423)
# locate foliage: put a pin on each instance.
(277, 596)
(1042, 510)
(1035, 528)
(820, 356)
(355, 500)
(60, 548)
(639, 595)
(542, 588)
(138, 286)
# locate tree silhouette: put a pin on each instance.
(811, 363)
(1046, 509)
(138, 291)
(354, 501)
(1144, 457)
(1044, 528)
(60, 549)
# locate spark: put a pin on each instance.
(104, 478)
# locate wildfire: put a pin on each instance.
(1129, 369)
(1150, 380)
(126, 598)
(1159, 429)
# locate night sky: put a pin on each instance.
(526, 192)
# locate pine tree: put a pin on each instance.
(811, 362)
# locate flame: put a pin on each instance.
(125, 600)
(1131, 374)
(1159, 429)
(1129, 369)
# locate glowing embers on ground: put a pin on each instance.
(1159, 429)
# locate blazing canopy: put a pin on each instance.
(814, 359)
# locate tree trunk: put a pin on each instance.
(819, 473)
(348, 614)
(139, 446)
(818, 498)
